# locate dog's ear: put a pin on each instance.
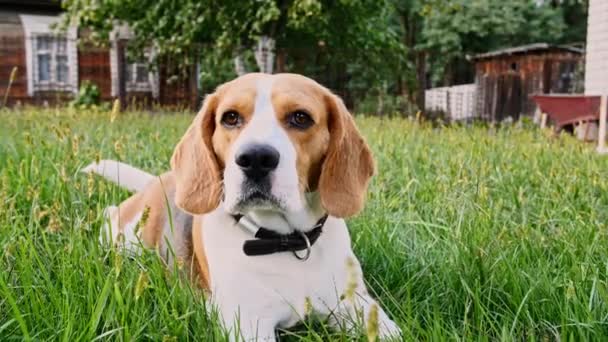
(198, 177)
(348, 164)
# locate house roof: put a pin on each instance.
(538, 47)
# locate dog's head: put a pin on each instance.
(278, 143)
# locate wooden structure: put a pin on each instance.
(51, 67)
(506, 78)
(569, 109)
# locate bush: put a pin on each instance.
(88, 96)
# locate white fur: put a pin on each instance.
(261, 293)
(111, 234)
(126, 176)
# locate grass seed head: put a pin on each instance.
(29, 141)
(90, 185)
(119, 148)
(9, 250)
(372, 323)
(115, 110)
(75, 144)
(32, 193)
(41, 214)
(144, 219)
(54, 224)
(351, 283)
(13, 75)
(180, 262)
(570, 291)
(307, 306)
(117, 263)
(142, 284)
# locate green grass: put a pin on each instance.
(468, 234)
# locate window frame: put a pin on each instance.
(152, 83)
(132, 69)
(53, 83)
(42, 25)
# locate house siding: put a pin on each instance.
(12, 54)
(596, 76)
(94, 67)
(173, 87)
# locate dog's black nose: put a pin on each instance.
(258, 160)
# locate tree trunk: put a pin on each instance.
(193, 86)
(448, 74)
(411, 90)
(281, 59)
(421, 78)
(380, 105)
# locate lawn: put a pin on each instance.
(469, 233)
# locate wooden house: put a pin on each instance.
(505, 79)
(51, 67)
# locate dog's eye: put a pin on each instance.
(231, 119)
(300, 119)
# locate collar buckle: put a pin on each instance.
(308, 247)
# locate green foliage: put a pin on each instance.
(88, 96)
(178, 27)
(218, 30)
(446, 31)
(384, 104)
(456, 28)
(393, 45)
(469, 233)
(215, 69)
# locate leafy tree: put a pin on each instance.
(467, 27)
(375, 48)
(439, 34)
(574, 13)
(229, 28)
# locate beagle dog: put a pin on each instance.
(254, 206)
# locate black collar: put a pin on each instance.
(268, 242)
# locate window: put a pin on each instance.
(137, 77)
(51, 59)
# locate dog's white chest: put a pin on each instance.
(277, 287)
